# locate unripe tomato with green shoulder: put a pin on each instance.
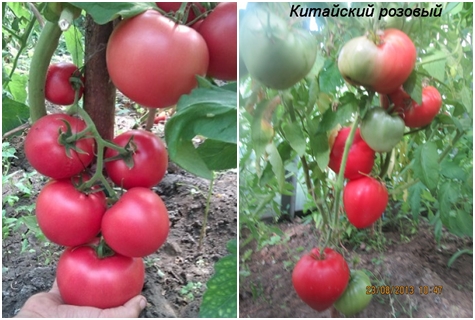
(355, 298)
(381, 64)
(381, 131)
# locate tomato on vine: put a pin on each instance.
(381, 131)
(364, 200)
(58, 86)
(381, 64)
(320, 280)
(86, 279)
(149, 157)
(154, 61)
(52, 158)
(355, 298)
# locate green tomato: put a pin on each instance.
(354, 299)
(380, 130)
(275, 52)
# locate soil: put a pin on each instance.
(266, 289)
(176, 274)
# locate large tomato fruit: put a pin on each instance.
(365, 200)
(48, 156)
(136, 225)
(320, 281)
(355, 299)
(416, 115)
(175, 6)
(58, 88)
(275, 52)
(219, 30)
(360, 158)
(150, 160)
(154, 61)
(381, 131)
(67, 216)
(382, 66)
(84, 279)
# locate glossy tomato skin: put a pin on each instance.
(360, 158)
(175, 6)
(421, 115)
(355, 299)
(150, 160)
(58, 89)
(67, 216)
(275, 54)
(137, 225)
(154, 61)
(381, 131)
(86, 280)
(49, 157)
(365, 200)
(381, 67)
(219, 30)
(319, 282)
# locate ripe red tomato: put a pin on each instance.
(58, 89)
(137, 225)
(150, 160)
(154, 61)
(365, 200)
(219, 30)
(381, 66)
(320, 281)
(421, 115)
(84, 279)
(67, 216)
(360, 158)
(175, 6)
(48, 156)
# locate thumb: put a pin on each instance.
(131, 309)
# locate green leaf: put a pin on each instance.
(220, 298)
(73, 38)
(415, 199)
(330, 78)
(14, 114)
(425, 165)
(458, 222)
(17, 87)
(293, 134)
(103, 12)
(451, 170)
(320, 149)
(448, 194)
(210, 114)
(413, 86)
(277, 165)
(458, 254)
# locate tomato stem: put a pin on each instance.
(66, 18)
(385, 164)
(44, 50)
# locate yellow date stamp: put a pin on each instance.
(400, 290)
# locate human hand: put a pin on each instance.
(51, 305)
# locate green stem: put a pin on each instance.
(385, 165)
(44, 50)
(205, 221)
(66, 18)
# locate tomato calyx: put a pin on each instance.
(103, 250)
(125, 153)
(68, 139)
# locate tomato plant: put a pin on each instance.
(69, 217)
(60, 161)
(355, 298)
(148, 156)
(320, 280)
(275, 54)
(136, 225)
(364, 200)
(58, 87)
(219, 30)
(381, 131)
(360, 157)
(154, 61)
(85, 279)
(382, 64)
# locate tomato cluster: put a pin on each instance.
(73, 214)
(154, 61)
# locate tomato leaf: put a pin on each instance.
(14, 114)
(294, 135)
(321, 149)
(211, 114)
(73, 38)
(277, 165)
(103, 12)
(415, 199)
(220, 298)
(425, 165)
